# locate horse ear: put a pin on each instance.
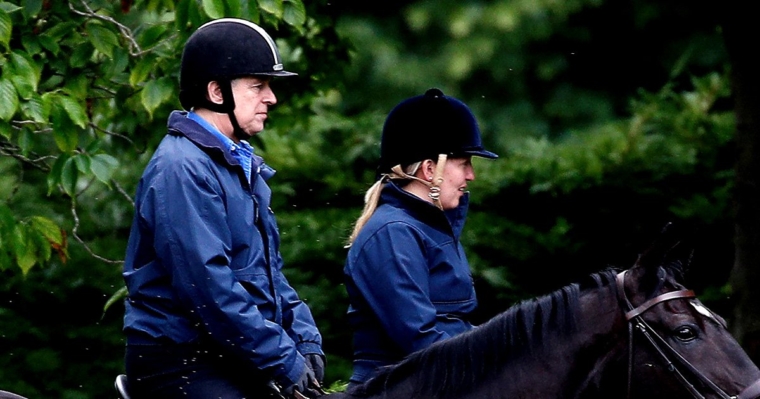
(664, 255)
(671, 252)
(655, 256)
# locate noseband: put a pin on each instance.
(663, 349)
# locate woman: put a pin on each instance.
(407, 277)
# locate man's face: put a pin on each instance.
(253, 96)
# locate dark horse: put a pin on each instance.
(632, 334)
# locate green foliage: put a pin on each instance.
(81, 80)
(602, 139)
(85, 90)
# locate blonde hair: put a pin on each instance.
(372, 196)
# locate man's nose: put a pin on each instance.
(269, 96)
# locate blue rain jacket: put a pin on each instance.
(203, 261)
(408, 280)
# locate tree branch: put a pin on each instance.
(134, 48)
(87, 247)
(13, 151)
(121, 190)
(110, 133)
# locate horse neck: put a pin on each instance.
(570, 364)
(599, 359)
(562, 364)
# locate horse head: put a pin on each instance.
(677, 346)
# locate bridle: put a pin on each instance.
(664, 350)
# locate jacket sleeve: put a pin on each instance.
(192, 240)
(391, 271)
(298, 321)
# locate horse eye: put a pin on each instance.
(685, 333)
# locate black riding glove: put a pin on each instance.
(317, 364)
(302, 385)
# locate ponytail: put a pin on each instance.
(372, 196)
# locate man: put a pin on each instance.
(209, 312)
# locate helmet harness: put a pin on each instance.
(224, 50)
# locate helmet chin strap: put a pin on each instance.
(228, 107)
(227, 97)
(434, 185)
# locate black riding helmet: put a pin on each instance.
(223, 50)
(425, 126)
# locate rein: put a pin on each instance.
(633, 316)
(274, 391)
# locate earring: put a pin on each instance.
(435, 193)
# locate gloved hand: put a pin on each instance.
(317, 364)
(302, 385)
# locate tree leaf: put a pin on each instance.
(93, 146)
(48, 101)
(250, 10)
(7, 221)
(149, 37)
(234, 7)
(25, 76)
(273, 7)
(102, 38)
(77, 86)
(156, 92)
(6, 27)
(8, 7)
(59, 30)
(214, 8)
(83, 162)
(54, 176)
(194, 14)
(8, 100)
(113, 70)
(23, 249)
(35, 109)
(38, 244)
(81, 55)
(64, 133)
(5, 129)
(74, 109)
(141, 70)
(25, 140)
(32, 8)
(69, 176)
(103, 166)
(294, 12)
(5, 261)
(48, 228)
(117, 296)
(31, 44)
(181, 18)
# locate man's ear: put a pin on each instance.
(214, 92)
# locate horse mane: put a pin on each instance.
(459, 364)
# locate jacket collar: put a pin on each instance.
(180, 125)
(452, 218)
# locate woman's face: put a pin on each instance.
(456, 174)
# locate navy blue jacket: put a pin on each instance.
(203, 261)
(408, 280)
